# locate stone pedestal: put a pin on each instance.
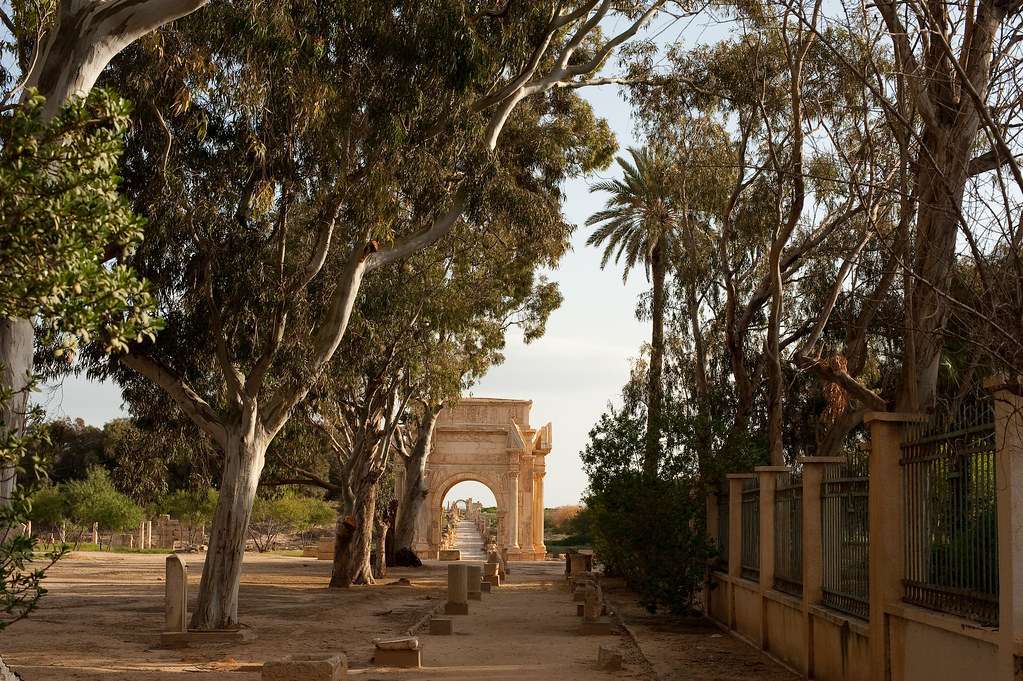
(175, 599)
(307, 667)
(458, 590)
(441, 626)
(474, 574)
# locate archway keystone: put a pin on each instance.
(489, 441)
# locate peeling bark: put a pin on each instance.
(415, 492)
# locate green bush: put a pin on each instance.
(288, 513)
(96, 500)
(651, 533)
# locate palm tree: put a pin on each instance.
(638, 222)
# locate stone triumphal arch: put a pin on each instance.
(490, 441)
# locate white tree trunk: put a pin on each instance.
(218, 591)
(411, 503)
(85, 36)
(15, 374)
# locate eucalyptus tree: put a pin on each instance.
(286, 151)
(640, 221)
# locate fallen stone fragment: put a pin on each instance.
(608, 659)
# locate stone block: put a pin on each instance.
(441, 626)
(579, 609)
(456, 608)
(450, 554)
(175, 597)
(184, 639)
(608, 659)
(477, 596)
(494, 580)
(485, 587)
(599, 627)
(579, 595)
(403, 659)
(310, 551)
(307, 667)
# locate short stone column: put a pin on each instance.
(95, 533)
(887, 565)
(149, 534)
(768, 482)
(142, 534)
(813, 573)
(474, 574)
(1008, 402)
(458, 590)
(175, 600)
(735, 481)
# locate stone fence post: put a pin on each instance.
(887, 525)
(813, 547)
(768, 480)
(1008, 403)
(735, 481)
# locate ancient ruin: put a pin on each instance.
(489, 441)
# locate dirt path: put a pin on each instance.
(102, 618)
(692, 648)
(526, 629)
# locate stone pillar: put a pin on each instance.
(176, 594)
(768, 478)
(813, 574)
(95, 533)
(538, 511)
(474, 575)
(458, 590)
(142, 534)
(735, 481)
(512, 523)
(149, 534)
(887, 527)
(1008, 398)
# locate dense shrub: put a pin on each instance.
(651, 532)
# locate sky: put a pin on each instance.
(570, 374)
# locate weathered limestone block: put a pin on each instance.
(474, 574)
(608, 659)
(450, 554)
(485, 587)
(398, 652)
(458, 590)
(579, 609)
(175, 599)
(441, 626)
(307, 667)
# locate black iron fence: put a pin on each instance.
(788, 534)
(845, 536)
(750, 563)
(948, 467)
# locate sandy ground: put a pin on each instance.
(102, 618)
(691, 648)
